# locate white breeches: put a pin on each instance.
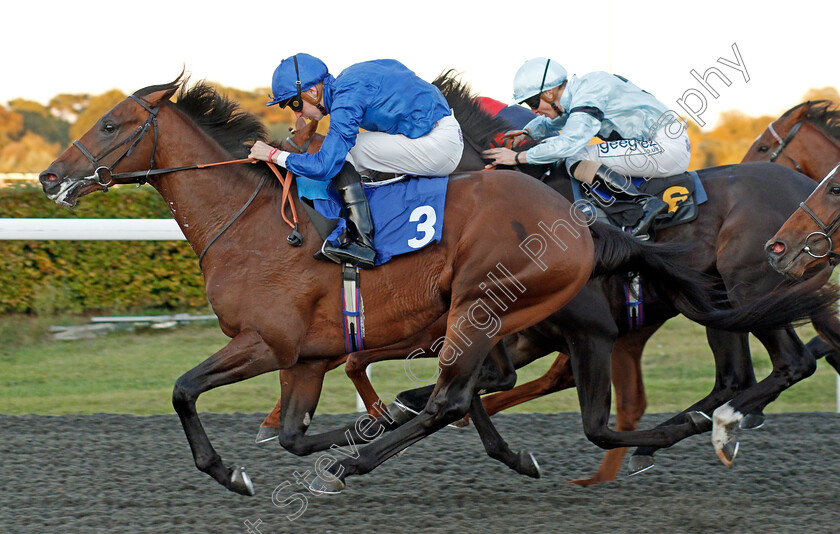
(659, 157)
(435, 154)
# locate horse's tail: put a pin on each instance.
(664, 266)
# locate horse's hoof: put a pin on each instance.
(752, 421)
(528, 464)
(700, 421)
(400, 413)
(267, 433)
(240, 482)
(640, 463)
(727, 453)
(326, 485)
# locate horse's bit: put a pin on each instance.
(784, 142)
(826, 232)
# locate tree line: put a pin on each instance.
(32, 135)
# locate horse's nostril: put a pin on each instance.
(776, 248)
(48, 177)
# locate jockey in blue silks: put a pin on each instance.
(642, 138)
(409, 127)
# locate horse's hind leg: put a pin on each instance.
(558, 377)
(630, 398)
(451, 401)
(791, 363)
(733, 374)
(270, 427)
(496, 447)
(358, 362)
(301, 389)
(496, 374)
(245, 356)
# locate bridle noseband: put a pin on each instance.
(827, 230)
(784, 142)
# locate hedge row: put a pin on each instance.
(46, 277)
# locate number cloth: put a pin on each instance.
(407, 214)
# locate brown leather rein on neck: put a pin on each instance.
(294, 239)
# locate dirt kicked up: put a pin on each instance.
(116, 473)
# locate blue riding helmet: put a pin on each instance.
(294, 75)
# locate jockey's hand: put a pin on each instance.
(260, 151)
(517, 136)
(501, 156)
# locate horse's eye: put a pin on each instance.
(763, 148)
(834, 189)
(109, 127)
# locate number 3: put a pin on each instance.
(427, 226)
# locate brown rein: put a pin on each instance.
(294, 239)
(286, 183)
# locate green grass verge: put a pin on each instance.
(134, 373)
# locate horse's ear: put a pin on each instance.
(159, 97)
(163, 93)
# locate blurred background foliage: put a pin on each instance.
(46, 278)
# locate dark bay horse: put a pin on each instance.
(280, 307)
(730, 247)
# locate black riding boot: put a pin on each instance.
(355, 245)
(623, 188)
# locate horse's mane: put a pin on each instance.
(220, 117)
(476, 124)
(823, 114)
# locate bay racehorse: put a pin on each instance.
(805, 241)
(806, 138)
(280, 307)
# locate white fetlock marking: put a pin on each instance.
(306, 419)
(723, 421)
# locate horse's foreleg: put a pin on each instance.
(246, 356)
(828, 327)
(270, 427)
